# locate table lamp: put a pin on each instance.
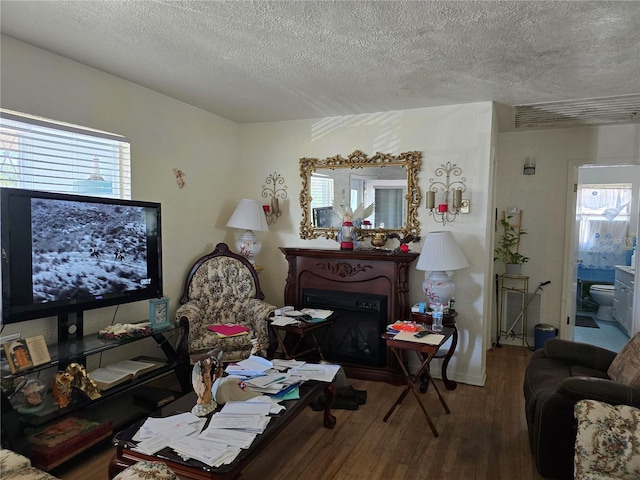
(249, 216)
(440, 253)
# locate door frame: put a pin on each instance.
(569, 275)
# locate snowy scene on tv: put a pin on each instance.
(81, 250)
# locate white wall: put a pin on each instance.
(225, 162)
(164, 134)
(543, 196)
(459, 134)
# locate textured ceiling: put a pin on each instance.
(254, 61)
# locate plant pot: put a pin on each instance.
(513, 268)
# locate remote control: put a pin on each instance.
(422, 334)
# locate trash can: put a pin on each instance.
(544, 332)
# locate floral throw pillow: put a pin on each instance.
(625, 368)
(147, 471)
(607, 441)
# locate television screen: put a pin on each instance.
(69, 253)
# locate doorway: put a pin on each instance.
(606, 222)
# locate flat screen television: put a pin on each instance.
(64, 253)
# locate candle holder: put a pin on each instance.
(448, 208)
(272, 191)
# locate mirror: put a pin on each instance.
(384, 187)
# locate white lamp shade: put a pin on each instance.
(249, 215)
(440, 252)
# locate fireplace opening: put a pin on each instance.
(355, 336)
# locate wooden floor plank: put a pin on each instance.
(484, 437)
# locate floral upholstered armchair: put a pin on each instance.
(222, 288)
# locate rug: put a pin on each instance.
(585, 321)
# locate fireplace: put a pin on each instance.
(359, 320)
(367, 289)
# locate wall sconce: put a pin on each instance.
(529, 166)
(447, 209)
(273, 191)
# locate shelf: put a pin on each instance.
(80, 402)
(73, 350)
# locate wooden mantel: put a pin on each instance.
(379, 272)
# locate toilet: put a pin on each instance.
(603, 296)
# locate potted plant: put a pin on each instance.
(507, 249)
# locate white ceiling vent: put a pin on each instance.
(570, 113)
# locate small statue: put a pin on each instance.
(82, 381)
(202, 380)
(62, 388)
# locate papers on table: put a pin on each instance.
(156, 433)
(237, 424)
(430, 339)
(279, 321)
(315, 371)
(249, 367)
(317, 313)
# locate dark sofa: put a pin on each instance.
(558, 376)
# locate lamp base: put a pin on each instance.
(249, 246)
(438, 288)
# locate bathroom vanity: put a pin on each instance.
(623, 297)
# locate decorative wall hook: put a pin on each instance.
(273, 191)
(447, 209)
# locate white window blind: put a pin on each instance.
(321, 191)
(41, 154)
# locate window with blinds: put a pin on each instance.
(41, 154)
(321, 191)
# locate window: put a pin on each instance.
(40, 154)
(603, 213)
(321, 190)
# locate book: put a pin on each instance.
(23, 354)
(227, 330)
(18, 355)
(38, 350)
(120, 372)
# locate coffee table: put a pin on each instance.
(195, 470)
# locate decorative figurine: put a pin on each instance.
(62, 389)
(33, 392)
(202, 380)
(82, 381)
(404, 242)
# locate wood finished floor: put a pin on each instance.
(485, 437)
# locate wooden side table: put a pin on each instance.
(298, 332)
(448, 320)
(425, 353)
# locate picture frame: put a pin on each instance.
(159, 313)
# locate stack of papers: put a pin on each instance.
(252, 366)
(278, 321)
(275, 384)
(156, 433)
(314, 371)
(317, 314)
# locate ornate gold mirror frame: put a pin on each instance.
(357, 161)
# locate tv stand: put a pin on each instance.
(70, 325)
(115, 409)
